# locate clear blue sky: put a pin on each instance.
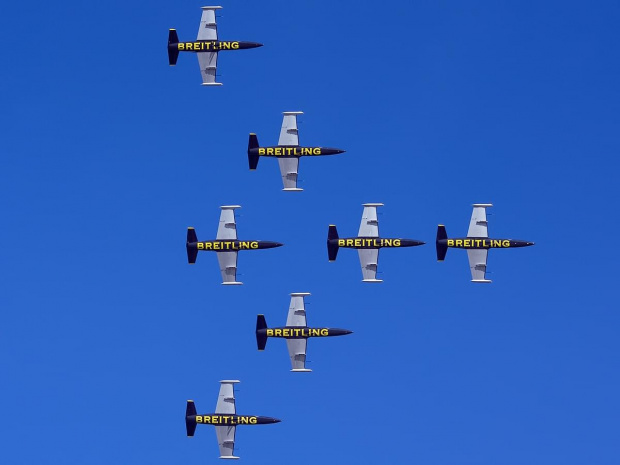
(108, 154)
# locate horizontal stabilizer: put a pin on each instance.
(190, 418)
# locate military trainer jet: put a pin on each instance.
(206, 46)
(367, 243)
(287, 151)
(226, 245)
(477, 243)
(296, 332)
(225, 419)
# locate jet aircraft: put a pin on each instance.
(226, 245)
(477, 243)
(287, 151)
(296, 332)
(367, 243)
(206, 46)
(225, 419)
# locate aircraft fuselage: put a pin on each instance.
(373, 242)
(301, 332)
(220, 245)
(289, 151)
(212, 45)
(482, 243)
(219, 419)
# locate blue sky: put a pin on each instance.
(108, 154)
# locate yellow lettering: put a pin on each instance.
(270, 332)
(466, 243)
(200, 245)
(214, 420)
(261, 151)
(277, 332)
(253, 420)
(286, 332)
(198, 418)
(226, 45)
(316, 150)
(459, 242)
(196, 45)
(341, 242)
(206, 419)
(270, 151)
(245, 420)
(324, 331)
(450, 242)
(216, 246)
(349, 242)
(181, 46)
(506, 243)
(254, 244)
(208, 245)
(315, 332)
(396, 242)
(358, 243)
(496, 243)
(387, 242)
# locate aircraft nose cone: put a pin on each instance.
(278, 244)
(530, 243)
(347, 331)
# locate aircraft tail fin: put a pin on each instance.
(192, 250)
(253, 157)
(190, 418)
(332, 243)
(442, 249)
(173, 50)
(261, 338)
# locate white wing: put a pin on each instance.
(478, 264)
(208, 26)
(226, 441)
(369, 259)
(297, 310)
(227, 229)
(288, 133)
(208, 66)
(228, 267)
(369, 227)
(226, 406)
(226, 398)
(297, 352)
(478, 222)
(289, 168)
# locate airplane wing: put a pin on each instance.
(227, 229)
(297, 310)
(226, 406)
(369, 259)
(208, 31)
(208, 66)
(288, 133)
(369, 227)
(478, 264)
(228, 267)
(289, 167)
(208, 25)
(297, 352)
(478, 222)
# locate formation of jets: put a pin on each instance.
(226, 245)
